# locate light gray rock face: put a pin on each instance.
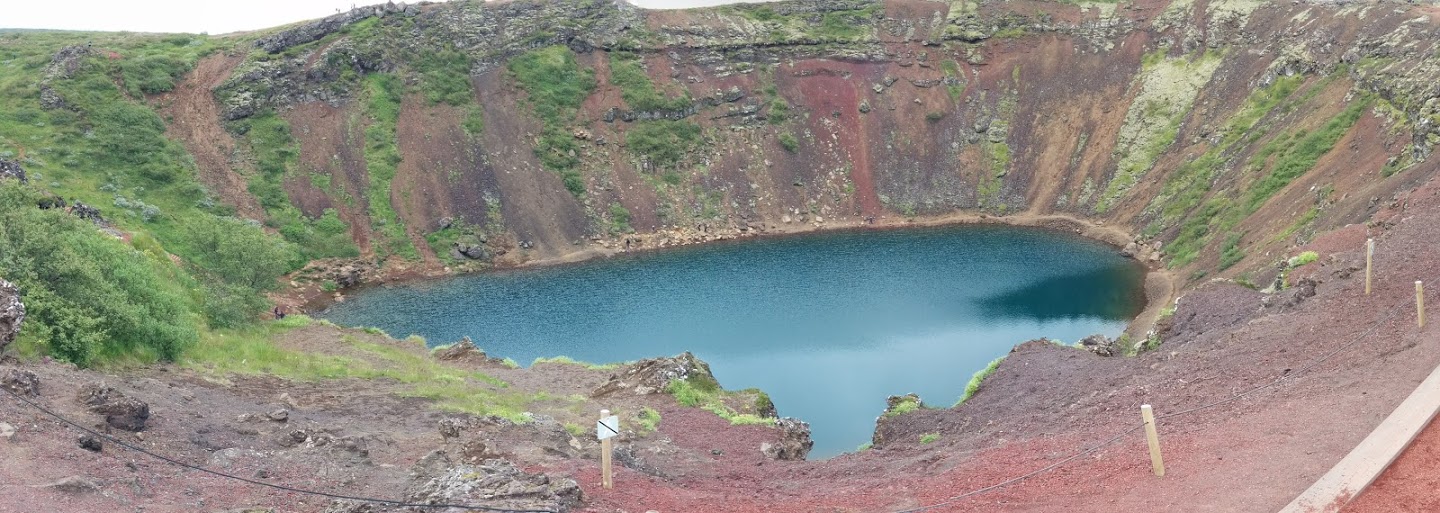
(12, 313)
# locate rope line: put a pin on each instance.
(1396, 310)
(172, 461)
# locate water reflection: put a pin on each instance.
(1060, 297)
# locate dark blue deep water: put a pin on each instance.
(828, 324)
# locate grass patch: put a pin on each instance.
(1230, 252)
(908, 405)
(929, 438)
(1295, 158)
(627, 71)
(382, 156)
(647, 420)
(789, 142)
(556, 85)
(704, 393)
(1303, 258)
(663, 143)
(974, 385)
(566, 360)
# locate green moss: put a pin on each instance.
(929, 438)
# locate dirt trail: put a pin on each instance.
(195, 123)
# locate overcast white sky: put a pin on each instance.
(211, 16)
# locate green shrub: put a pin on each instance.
(974, 385)
(90, 298)
(929, 438)
(789, 142)
(864, 447)
(763, 402)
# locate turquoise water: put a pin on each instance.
(829, 325)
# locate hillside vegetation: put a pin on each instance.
(469, 135)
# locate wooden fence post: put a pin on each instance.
(1369, 256)
(607, 447)
(1153, 438)
(1420, 303)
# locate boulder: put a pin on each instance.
(437, 479)
(653, 376)
(74, 485)
(471, 251)
(458, 351)
(1099, 345)
(794, 443)
(12, 313)
(121, 412)
(19, 381)
(12, 169)
(87, 213)
(90, 443)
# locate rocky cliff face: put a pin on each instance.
(1223, 131)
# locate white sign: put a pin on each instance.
(607, 427)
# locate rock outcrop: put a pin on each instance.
(497, 483)
(794, 443)
(1099, 345)
(653, 376)
(12, 169)
(120, 411)
(20, 381)
(12, 313)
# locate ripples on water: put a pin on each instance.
(828, 325)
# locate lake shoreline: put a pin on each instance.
(1161, 289)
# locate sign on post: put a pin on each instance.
(606, 428)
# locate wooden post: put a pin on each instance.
(1420, 303)
(606, 453)
(1369, 256)
(1153, 438)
